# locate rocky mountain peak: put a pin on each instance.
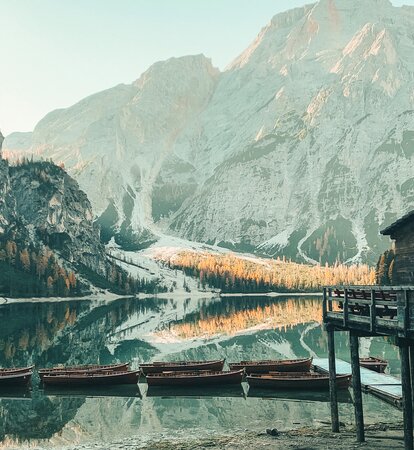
(303, 147)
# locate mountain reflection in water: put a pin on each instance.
(136, 330)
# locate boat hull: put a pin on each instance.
(192, 379)
(180, 366)
(375, 364)
(15, 379)
(17, 370)
(309, 382)
(123, 367)
(91, 379)
(292, 365)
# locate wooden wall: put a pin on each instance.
(403, 273)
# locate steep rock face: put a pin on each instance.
(308, 141)
(304, 146)
(50, 204)
(115, 142)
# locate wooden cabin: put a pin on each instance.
(402, 232)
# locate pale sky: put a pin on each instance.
(55, 52)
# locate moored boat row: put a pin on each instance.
(275, 374)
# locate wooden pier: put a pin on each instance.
(372, 311)
(381, 385)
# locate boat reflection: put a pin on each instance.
(344, 395)
(15, 393)
(237, 391)
(122, 391)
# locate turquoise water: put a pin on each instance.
(138, 330)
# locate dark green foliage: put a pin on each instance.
(385, 268)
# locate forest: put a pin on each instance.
(232, 273)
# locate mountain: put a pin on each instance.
(47, 232)
(302, 147)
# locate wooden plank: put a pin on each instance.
(332, 384)
(358, 319)
(356, 386)
(406, 398)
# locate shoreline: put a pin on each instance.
(272, 294)
(109, 296)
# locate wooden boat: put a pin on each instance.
(296, 380)
(266, 366)
(14, 370)
(197, 378)
(376, 364)
(90, 378)
(122, 367)
(16, 379)
(181, 366)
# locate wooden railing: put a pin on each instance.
(375, 309)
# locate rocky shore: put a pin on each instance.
(378, 436)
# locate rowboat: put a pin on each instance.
(376, 364)
(16, 379)
(90, 378)
(198, 378)
(266, 366)
(296, 380)
(14, 370)
(122, 367)
(180, 366)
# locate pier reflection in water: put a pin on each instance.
(82, 332)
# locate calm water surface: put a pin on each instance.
(82, 332)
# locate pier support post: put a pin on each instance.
(356, 386)
(406, 395)
(332, 381)
(412, 377)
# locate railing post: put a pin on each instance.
(406, 313)
(324, 309)
(373, 311)
(332, 380)
(346, 308)
(330, 299)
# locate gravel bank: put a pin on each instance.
(379, 436)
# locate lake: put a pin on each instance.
(138, 330)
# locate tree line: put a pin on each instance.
(232, 273)
(29, 271)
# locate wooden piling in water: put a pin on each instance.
(332, 381)
(406, 395)
(356, 386)
(411, 350)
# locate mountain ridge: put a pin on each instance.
(300, 147)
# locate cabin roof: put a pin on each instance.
(391, 229)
